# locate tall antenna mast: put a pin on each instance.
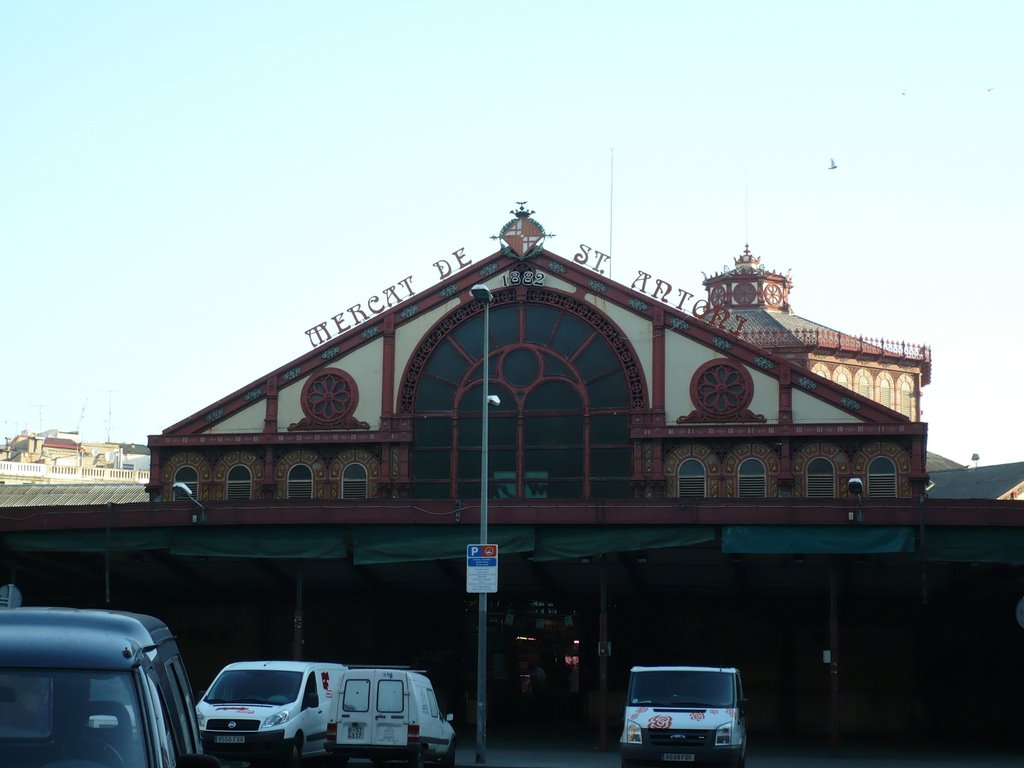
(746, 209)
(109, 410)
(40, 407)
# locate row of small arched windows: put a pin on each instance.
(752, 479)
(239, 485)
(898, 395)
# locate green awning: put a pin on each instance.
(974, 545)
(406, 543)
(201, 541)
(561, 542)
(271, 541)
(816, 539)
(121, 540)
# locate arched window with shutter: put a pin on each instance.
(692, 479)
(752, 480)
(821, 479)
(300, 482)
(354, 482)
(239, 484)
(882, 478)
(190, 477)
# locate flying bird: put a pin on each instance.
(833, 166)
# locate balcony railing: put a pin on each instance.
(19, 472)
(833, 340)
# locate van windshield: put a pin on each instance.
(255, 686)
(69, 716)
(682, 688)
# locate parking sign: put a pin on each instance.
(481, 568)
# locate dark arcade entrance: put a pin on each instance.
(909, 639)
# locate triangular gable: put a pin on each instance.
(639, 314)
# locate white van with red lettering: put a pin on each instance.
(269, 712)
(389, 713)
(684, 715)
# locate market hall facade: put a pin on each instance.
(672, 478)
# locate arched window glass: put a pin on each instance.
(821, 479)
(864, 385)
(906, 399)
(239, 486)
(561, 427)
(843, 378)
(692, 480)
(882, 478)
(752, 480)
(300, 482)
(885, 391)
(189, 477)
(821, 369)
(353, 482)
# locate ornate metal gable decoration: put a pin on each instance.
(521, 238)
(328, 400)
(721, 390)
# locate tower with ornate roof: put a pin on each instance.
(889, 372)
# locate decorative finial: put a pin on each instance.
(522, 213)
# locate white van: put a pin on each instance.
(270, 712)
(684, 715)
(389, 713)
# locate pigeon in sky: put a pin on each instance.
(833, 166)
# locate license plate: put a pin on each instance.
(356, 731)
(677, 757)
(229, 739)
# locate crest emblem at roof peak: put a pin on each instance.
(522, 237)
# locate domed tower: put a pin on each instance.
(888, 372)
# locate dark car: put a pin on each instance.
(94, 689)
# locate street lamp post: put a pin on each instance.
(482, 293)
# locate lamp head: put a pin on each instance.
(482, 292)
(493, 400)
(855, 486)
(182, 488)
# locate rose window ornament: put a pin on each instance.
(721, 391)
(328, 400)
(744, 294)
(773, 294)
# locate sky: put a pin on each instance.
(187, 187)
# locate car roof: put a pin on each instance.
(283, 665)
(731, 670)
(72, 638)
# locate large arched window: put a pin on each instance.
(752, 480)
(821, 479)
(561, 429)
(300, 482)
(692, 479)
(353, 482)
(189, 477)
(882, 478)
(239, 484)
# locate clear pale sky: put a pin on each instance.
(186, 187)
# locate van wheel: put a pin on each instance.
(448, 761)
(294, 760)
